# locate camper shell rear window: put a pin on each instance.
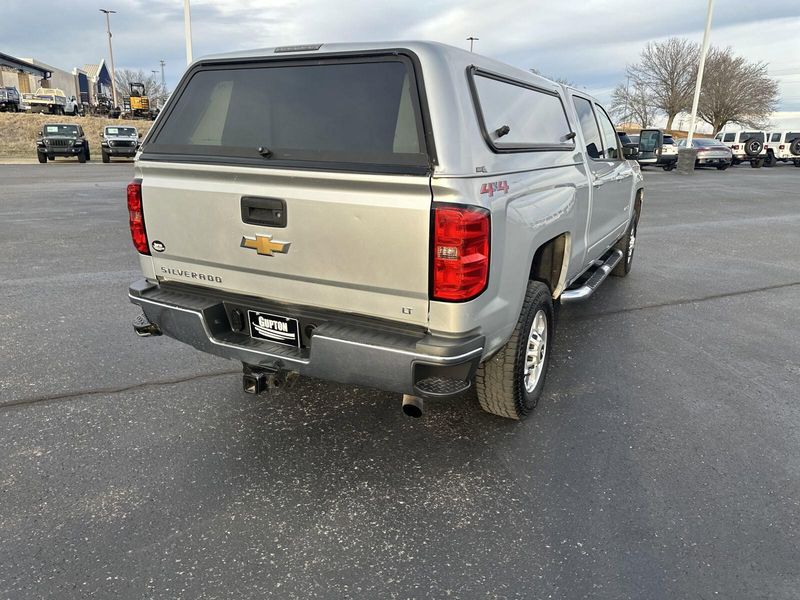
(361, 113)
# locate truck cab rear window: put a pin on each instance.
(518, 117)
(340, 112)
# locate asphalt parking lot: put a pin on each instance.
(662, 461)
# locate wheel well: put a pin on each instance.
(637, 203)
(548, 263)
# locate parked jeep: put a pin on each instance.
(746, 146)
(782, 146)
(119, 141)
(62, 139)
(412, 234)
(9, 99)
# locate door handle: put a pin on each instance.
(270, 212)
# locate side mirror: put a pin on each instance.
(41, 133)
(630, 152)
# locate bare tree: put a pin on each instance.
(634, 103)
(736, 91)
(155, 91)
(667, 70)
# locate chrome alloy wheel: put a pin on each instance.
(536, 351)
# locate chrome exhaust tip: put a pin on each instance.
(412, 406)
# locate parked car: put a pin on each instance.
(62, 139)
(412, 235)
(745, 146)
(656, 148)
(9, 99)
(119, 141)
(710, 153)
(782, 146)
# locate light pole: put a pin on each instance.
(187, 30)
(163, 79)
(111, 54)
(701, 67)
(471, 41)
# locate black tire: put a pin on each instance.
(753, 147)
(501, 381)
(794, 147)
(106, 157)
(627, 244)
(669, 167)
(770, 160)
(796, 163)
(42, 157)
(722, 167)
(82, 157)
(757, 163)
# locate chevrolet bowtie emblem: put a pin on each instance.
(264, 245)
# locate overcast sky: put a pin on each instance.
(588, 42)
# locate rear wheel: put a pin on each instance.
(770, 161)
(509, 384)
(757, 163)
(669, 167)
(627, 244)
(722, 167)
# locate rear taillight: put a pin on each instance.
(781, 147)
(460, 252)
(136, 217)
(735, 147)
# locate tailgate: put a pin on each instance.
(351, 242)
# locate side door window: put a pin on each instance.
(730, 137)
(591, 132)
(610, 141)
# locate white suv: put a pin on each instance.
(746, 146)
(782, 146)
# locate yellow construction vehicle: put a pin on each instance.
(137, 105)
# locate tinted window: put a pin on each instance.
(341, 112)
(648, 140)
(609, 134)
(730, 137)
(623, 137)
(776, 137)
(123, 131)
(591, 134)
(703, 143)
(750, 135)
(667, 140)
(70, 130)
(533, 118)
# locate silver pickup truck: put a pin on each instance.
(395, 215)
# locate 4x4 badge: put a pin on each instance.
(264, 245)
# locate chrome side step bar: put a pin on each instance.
(598, 276)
